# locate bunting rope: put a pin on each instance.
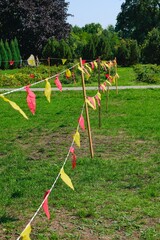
(56, 179)
(91, 101)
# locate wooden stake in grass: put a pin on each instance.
(99, 84)
(49, 65)
(107, 98)
(107, 92)
(116, 78)
(87, 113)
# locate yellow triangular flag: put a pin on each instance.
(76, 138)
(64, 60)
(117, 76)
(98, 95)
(66, 178)
(68, 73)
(103, 87)
(25, 234)
(91, 102)
(87, 76)
(95, 64)
(15, 106)
(47, 91)
(108, 83)
(88, 67)
(80, 69)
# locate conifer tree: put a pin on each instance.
(4, 56)
(8, 50)
(14, 54)
(17, 50)
(0, 60)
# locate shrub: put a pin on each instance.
(149, 73)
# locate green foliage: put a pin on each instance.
(14, 54)
(93, 28)
(4, 56)
(17, 50)
(128, 52)
(58, 50)
(151, 47)
(33, 23)
(8, 50)
(147, 73)
(137, 18)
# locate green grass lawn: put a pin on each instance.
(116, 193)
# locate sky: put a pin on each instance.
(94, 11)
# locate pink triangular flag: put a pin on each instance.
(31, 100)
(81, 122)
(45, 204)
(98, 100)
(92, 65)
(58, 83)
(71, 149)
(92, 101)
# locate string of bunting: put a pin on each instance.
(65, 178)
(87, 69)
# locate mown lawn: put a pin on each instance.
(116, 193)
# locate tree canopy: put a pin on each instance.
(137, 18)
(33, 22)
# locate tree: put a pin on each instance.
(137, 18)
(57, 50)
(0, 60)
(14, 54)
(8, 50)
(112, 37)
(151, 47)
(93, 28)
(33, 22)
(17, 49)
(89, 50)
(4, 56)
(128, 52)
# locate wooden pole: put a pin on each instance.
(49, 65)
(107, 95)
(87, 113)
(115, 62)
(107, 98)
(99, 83)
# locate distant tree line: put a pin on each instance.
(92, 41)
(41, 29)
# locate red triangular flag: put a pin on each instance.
(45, 204)
(31, 100)
(81, 122)
(83, 61)
(11, 62)
(74, 158)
